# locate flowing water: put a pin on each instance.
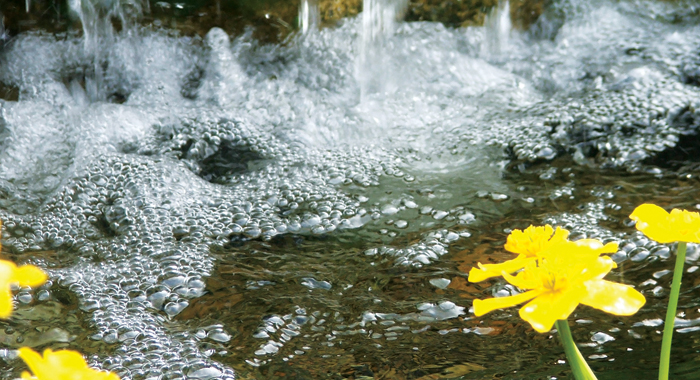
(217, 208)
(308, 16)
(497, 30)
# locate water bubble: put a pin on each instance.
(312, 283)
(601, 338)
(440, 283)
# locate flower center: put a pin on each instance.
(552, 280)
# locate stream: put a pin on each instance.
(216, 207)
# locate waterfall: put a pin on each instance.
(309, 16)
(497, 27)
(379, 20)
(98, 32)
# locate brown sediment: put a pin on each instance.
(451, 13)
(525, 12)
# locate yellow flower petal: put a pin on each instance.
(613, 298)
(527, 279)
(597, 269)
(659, 225)
(575, 251)
(594, 247)
(648, 212)
(548, 307)
(26, 275)
(558, 278)
(482, 307)
(70, 360)
(60, 365)
(534, 240)
(29, 275)
(34, 360)
(6, 304)
(487, 271)
(7, 269)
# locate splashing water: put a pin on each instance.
(379, 21)
(309, 17)
(96, 17)
(497, 29)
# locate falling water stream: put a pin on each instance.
(497, 29)
(373, 67)
(218, 208)
(308, 16)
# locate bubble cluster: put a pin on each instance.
(277, 331)
(630, 100)
(428, 250)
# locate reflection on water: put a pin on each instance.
(327, 310)
(235, 209)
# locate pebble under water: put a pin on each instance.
(216, 208)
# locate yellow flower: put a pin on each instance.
(659, 225)
(564, 276)
(26, 275)
(527, 244)
(60, 365)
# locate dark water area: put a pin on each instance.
(214, 205)
(399, 340)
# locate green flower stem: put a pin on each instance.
(578, 364)
(665, 362)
